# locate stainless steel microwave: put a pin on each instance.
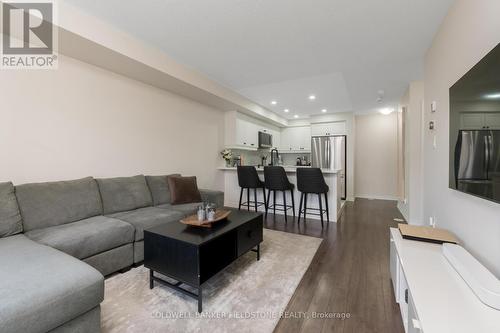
(265, 140)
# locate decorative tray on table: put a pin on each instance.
(220, 214)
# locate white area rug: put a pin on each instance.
(247, 296)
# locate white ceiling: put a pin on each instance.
(343, 51)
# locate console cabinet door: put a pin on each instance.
(394, 269)
(413, 321)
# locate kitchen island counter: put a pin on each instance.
(288, 168)
(232, 192)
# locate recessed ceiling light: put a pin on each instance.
(492, 96)
(386, 111)
(286, 110)
(296, 116)
(274, 102)
(312, 97)
(324, 110)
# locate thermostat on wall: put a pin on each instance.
(433, 106)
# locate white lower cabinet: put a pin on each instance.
(394, 269)
(413, 325)
(401, 291)
(432, 296)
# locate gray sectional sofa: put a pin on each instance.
(59, 239)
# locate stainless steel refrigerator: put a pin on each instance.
(477, 163)
(329, 152)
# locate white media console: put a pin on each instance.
(432, 296)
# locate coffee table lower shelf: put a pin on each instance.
(177, 286)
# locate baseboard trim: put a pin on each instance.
(377, 197)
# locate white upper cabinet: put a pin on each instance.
(333, 128)
(242, 131)
(480, 120)
(246, 134)
(296, 139)
(276, 137)
(492, 120)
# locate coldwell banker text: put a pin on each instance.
(29, 35)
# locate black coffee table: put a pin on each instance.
(192, 255)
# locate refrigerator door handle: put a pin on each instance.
(486, 154)
(490, 152)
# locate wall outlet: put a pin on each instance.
(432, 221)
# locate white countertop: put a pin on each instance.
(288, 168)
(443, 301)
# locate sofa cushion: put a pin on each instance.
(185, 209)
(216, 197)
(160, 191)
(10, 218)
(183, 190)
(45, 205)
(124, 193)
(42, 288)
(148, 217)
(85, 238)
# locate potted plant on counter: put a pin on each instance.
(227, 155)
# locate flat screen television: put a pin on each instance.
(475, 130)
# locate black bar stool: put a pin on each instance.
(311, 181)
(249, 179)
(276, 180)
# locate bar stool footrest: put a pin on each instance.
(288, 207)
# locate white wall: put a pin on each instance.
(81, 120)
(376, 156)
(470, 30)
(412, 205)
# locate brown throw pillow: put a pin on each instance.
(183, 190)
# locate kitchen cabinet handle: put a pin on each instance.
(406, 296)
(252, 144)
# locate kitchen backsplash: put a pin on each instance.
(255, 157)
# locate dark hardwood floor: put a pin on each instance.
(349, 274)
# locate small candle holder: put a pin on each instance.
(210, 211)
